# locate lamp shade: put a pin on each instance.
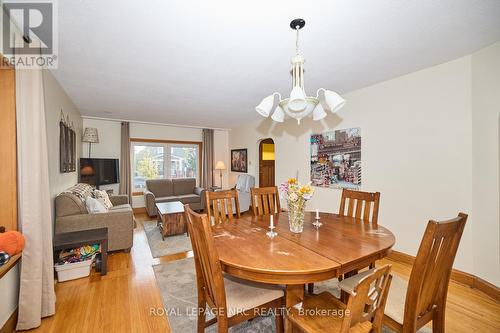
(297, 100)
(90, 135)
(334, 101)
(318, 112)
(87, 170)
(278, 115)
(220, 166)
(264, 108)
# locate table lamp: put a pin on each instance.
(220, 166)
(91, 136)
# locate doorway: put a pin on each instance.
(266, 163)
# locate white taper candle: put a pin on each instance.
(271, 223)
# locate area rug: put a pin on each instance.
(171, 244)
(177, 283)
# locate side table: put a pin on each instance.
(74, 239)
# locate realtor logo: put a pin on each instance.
(28, 35)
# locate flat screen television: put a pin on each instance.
(99, 171)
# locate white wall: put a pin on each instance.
(109, 145)
(485, 162)
(162, 132)
(55, 101)
(416, 150)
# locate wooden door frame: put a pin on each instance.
(8, 148)
(269, 141)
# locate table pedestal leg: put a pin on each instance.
(294, 294)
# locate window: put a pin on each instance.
(164, 159)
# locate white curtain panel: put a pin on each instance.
(36, 294)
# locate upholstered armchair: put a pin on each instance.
(243, 185)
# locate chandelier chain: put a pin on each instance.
(297, 40)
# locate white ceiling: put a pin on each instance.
(208, 63)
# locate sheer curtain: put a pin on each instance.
(36, 294)
(207, 175)
(125, 179)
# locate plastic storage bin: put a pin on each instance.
(75, 270)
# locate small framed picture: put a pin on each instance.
(239, 160)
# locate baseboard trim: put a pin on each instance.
(10, 324)
(139, 210)
(456, 275)
(487, 288)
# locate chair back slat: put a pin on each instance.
(367, 301)
(430, 275)
(350, 208)
(209, 278)
(265, 200)
(272, 206)
(265, 204)
(359, 205)
(229, 206)
(220, 205)
(366, 214)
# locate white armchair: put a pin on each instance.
(243, 185)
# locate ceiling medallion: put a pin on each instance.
(299, 105)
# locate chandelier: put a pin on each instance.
(299, 105)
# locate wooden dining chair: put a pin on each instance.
(220, 205)
(359, 205)
(265, 200)
(233, 300)
(412, 304)
(363, 313)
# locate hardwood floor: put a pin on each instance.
(118, 302)
(121, 301)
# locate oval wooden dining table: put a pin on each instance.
(341, 245)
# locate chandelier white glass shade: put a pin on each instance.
(299, 105)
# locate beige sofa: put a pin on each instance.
(168, 190)
(72, 215)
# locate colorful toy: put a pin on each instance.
(11, 241)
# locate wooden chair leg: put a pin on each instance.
(438, 321)
(222, 324)
(202, 305)
(310, 288)
(279, 320)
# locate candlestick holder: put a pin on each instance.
(317, 223)
(271, 233)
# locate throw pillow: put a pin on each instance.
(103, 198)
(94, 206)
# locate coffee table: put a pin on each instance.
(171, 218)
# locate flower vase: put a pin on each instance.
(296, 216)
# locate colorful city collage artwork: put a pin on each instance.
(336, 159)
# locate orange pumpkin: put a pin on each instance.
(11, 241)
